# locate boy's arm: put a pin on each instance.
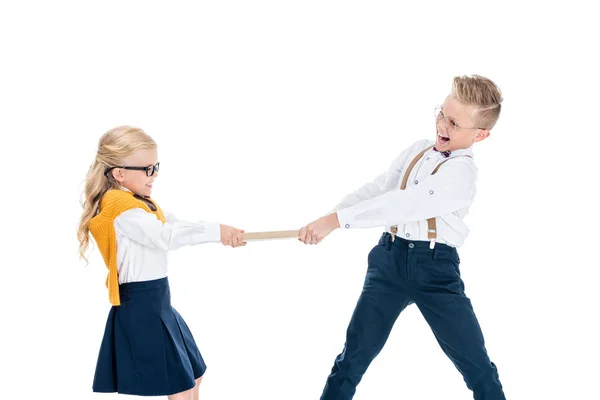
(317, 230)
(383, 183)
(449, 190)
(366, 192)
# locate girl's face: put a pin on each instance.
(138, 181)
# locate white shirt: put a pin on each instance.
(143, 242)
(446, 195)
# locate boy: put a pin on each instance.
(421, 200)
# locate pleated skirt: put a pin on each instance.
(147, 348)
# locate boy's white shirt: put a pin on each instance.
(143, 242)
(446, 195)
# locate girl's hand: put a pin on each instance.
(231, 236)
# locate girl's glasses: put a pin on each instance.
(150, 169)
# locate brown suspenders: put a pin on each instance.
(431, 222)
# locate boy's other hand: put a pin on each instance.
(317, 230)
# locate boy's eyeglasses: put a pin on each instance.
(451, 125)
(150, 169)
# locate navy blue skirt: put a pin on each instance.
(147, 349)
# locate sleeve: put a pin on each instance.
(169, 216)
(146, 229)
(449, 190)
(385, 182)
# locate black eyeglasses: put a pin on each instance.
(150, 169)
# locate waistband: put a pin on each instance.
(419, 245)
(132, 287)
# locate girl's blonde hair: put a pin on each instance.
(481, 92)
(114, 146)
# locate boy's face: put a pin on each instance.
(138, 181)
(455, 126)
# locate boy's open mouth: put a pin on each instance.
(443, 139)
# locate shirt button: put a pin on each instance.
(416, 182)
(347, 226)
(427, 159)
(408, 235)
(411, 245)
(431, 192)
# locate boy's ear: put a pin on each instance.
(481, 135)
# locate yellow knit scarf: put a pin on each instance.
(102, 228)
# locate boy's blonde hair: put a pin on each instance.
(482, 93)
(113, 147)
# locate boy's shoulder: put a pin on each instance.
(411, 151)
(417, 147)
(422, 144)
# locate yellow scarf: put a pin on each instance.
(102, 228)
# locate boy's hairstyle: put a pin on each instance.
(482, 93)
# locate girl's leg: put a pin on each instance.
(187, 395)
(195, 389)
(191, 394)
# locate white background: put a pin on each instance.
(266, 114)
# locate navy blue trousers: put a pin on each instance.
(401, 273)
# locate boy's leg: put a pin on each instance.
(449, 313)
(383, 297)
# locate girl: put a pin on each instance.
(147, 349)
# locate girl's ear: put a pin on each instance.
(118, 174)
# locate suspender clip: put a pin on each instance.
(393, 231)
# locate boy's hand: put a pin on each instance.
(231, 236)
(316, 231)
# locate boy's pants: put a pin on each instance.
(401, 273)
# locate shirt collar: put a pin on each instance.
(455, 153)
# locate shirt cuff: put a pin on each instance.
(346, 219)
(211, 232)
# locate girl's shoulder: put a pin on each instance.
(116, 194)
(116, 201)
